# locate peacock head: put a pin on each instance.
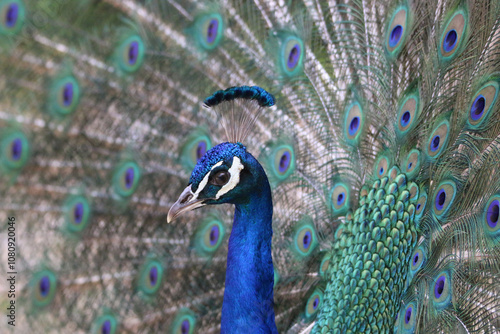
(227, 173)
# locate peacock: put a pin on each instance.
(260, 166)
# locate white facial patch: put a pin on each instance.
(204, 182)
(234, 171)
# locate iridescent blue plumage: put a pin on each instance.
(248, 294)
(227, 173)
(221, 152)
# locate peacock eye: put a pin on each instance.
(105, 324)
(44, 287)
(220, 178)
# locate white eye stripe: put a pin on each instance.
(204, 182)
(234, 171)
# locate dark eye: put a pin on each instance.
(220, 178)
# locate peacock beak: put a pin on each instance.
(187, 201)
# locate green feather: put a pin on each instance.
(106, 323)
(490, 219)
(126, 178)
(194, 147)
(209, 236)
(354, 122)
(397, 30)
(13, 17)
(279, 160)
(454, 35)
(64, 96)
(443, 199)
(184, 323)
(208, 30)
(289, 53)
(408, 113)
(43, 286)
(77, 213)
(150, 276)
(412, 164)
(482, 103)
(339, 198)
(129, 53)
(313, 304)
(304, 237)
(438, 139)
(15, 150)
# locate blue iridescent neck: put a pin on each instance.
(248, 295)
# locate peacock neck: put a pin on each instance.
(248, 295)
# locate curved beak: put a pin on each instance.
(185, 203)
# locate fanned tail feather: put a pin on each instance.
(382, 151)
